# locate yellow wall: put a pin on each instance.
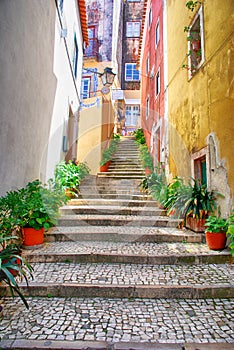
(203, 104)
(89, 139)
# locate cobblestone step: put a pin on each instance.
(129, 280)
(122, 234)
(110, 210)
(124, 252)
(120, 176)
(143, 322)
(122, 195)
(117, 220)
(116, 202)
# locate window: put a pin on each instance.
(157, 34)
(195, 38)
(157, 83)
(75, 56)
(132, 113)
(147, 108)
(60, 6)
(85, 87)
(131, 73)
(147, 65)
(200, 169)
(133, 29)
(150, 17)
(200, 166)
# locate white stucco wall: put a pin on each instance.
(27, 86)
(36, 87)
(68, 87)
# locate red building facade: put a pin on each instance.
(152, 79)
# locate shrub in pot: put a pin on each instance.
(12, 264)
(68, 176)
(193, 203)
(216, 228)
(230, 232)
(38, 209)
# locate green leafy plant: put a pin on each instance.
(139, 135)
(39, 205)
(12, 264)
(68, 175)
(216, 224)
(146, 157)
(194, 200)
(191, 5)
(109, 152)
(157, 184)
(230, 232)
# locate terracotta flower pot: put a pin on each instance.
(32, 237)
(147, 171)
(194, 224)
(104, 168)
(216, 240)
(14, 261)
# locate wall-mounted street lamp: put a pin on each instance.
(107, 76)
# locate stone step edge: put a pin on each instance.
(190, 259)
(123, 291)
(25, 344)
(62, 236)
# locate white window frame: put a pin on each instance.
(147, 107)
(191, 71)
(133, 70)
(132, 115)
(85, 94)
(150, 16)
(157, 83)
(157, 33)
(147, 67)
(133, 29)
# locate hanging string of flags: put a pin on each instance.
(89, 105)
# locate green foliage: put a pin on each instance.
(35, 205)
(216, 224)
(116, 136)
(191, 5)
(146, 157)
(139, 135)
(69, 175)
(230, 232)
(173, 189)
(158, 185)
(109, 152)
(12, 264)
(194, 200)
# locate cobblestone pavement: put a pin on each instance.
(124, 248)
(112, 320)
(134, 274)
(123, 230)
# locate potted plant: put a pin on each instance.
(69, 175)
(146, 158)
(12, 264)
(38, 209)
(108, 154)
(193, 203)
(230, 232)
(216, 228)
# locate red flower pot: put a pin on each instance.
(216, 240)
(32, 237)
(104, 168)
(194, 224)
(14, 261)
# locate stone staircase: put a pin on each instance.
(116, 273)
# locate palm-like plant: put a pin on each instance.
(12, 264)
